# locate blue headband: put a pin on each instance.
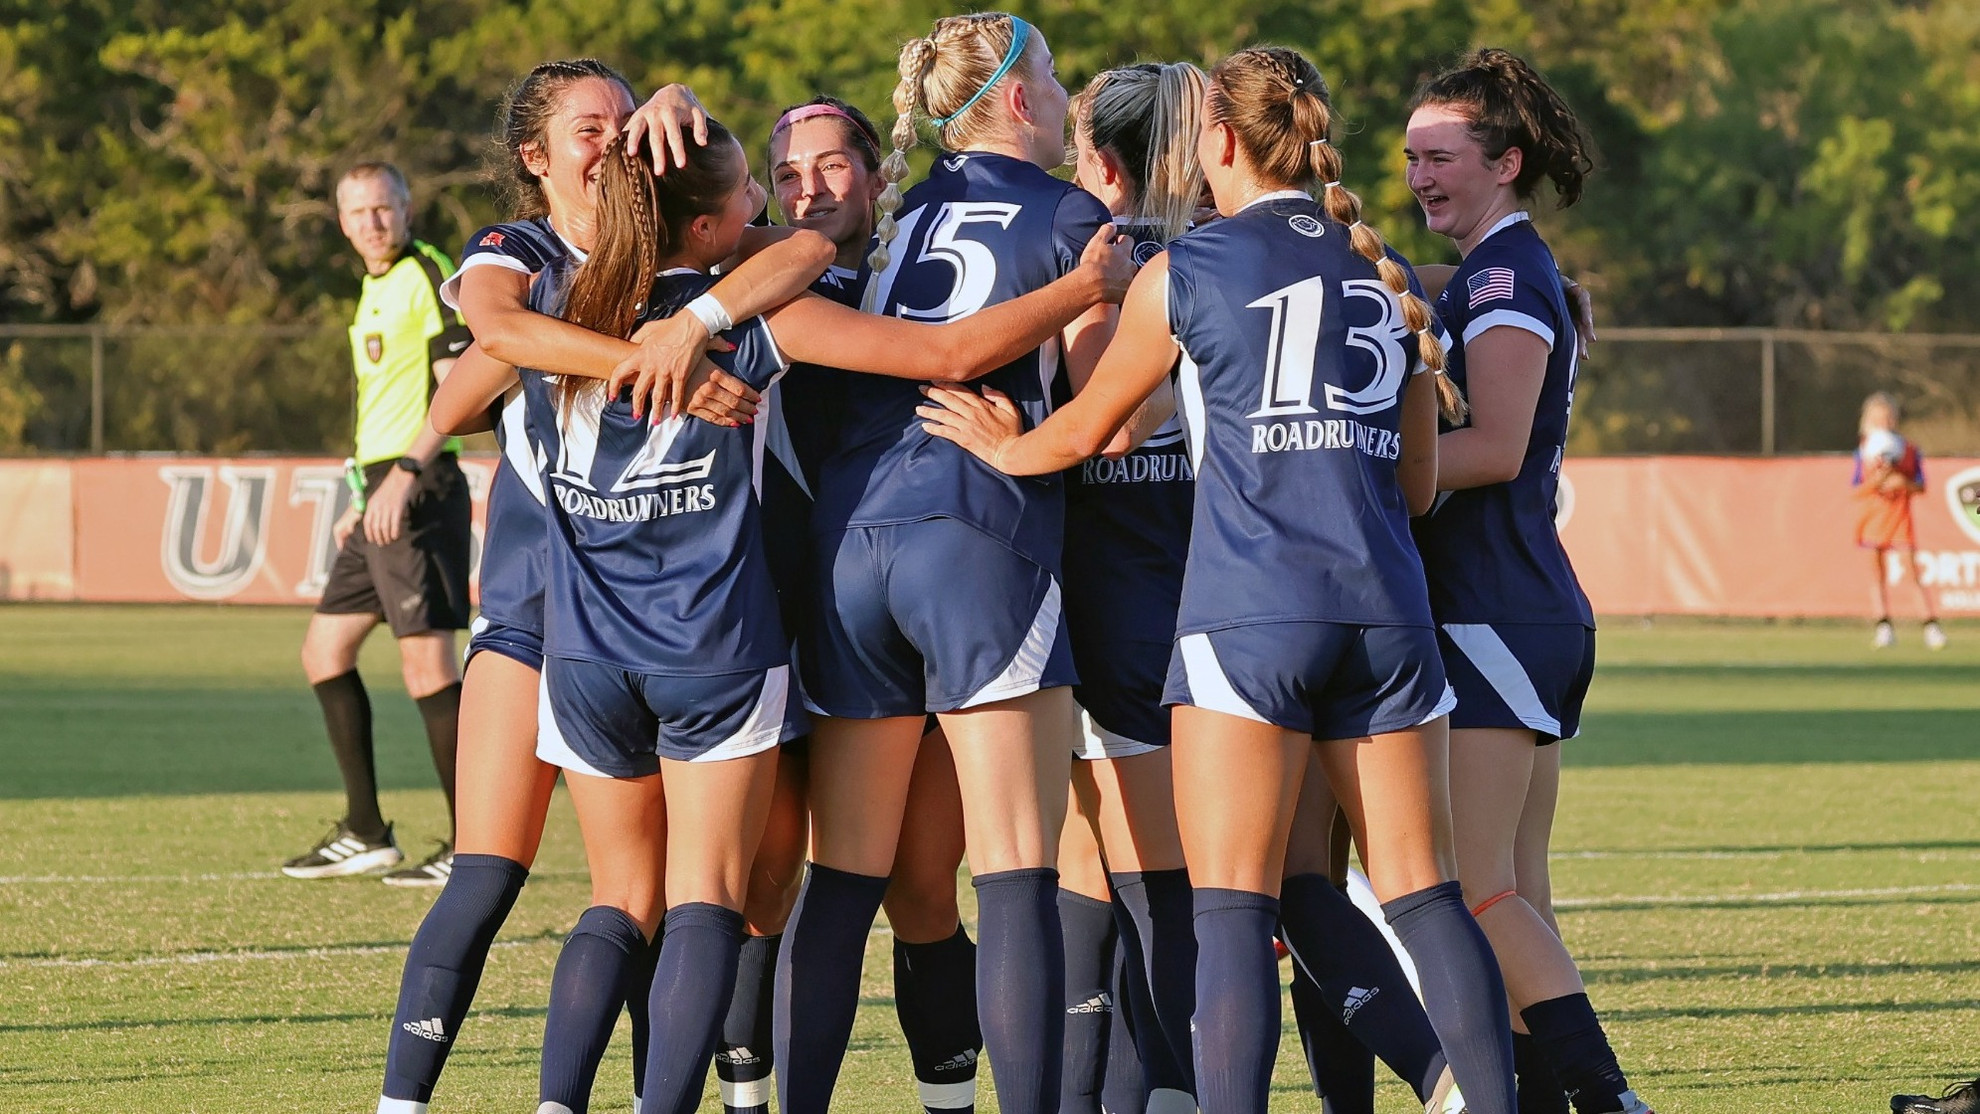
(1020, 31)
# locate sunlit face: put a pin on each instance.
(724, 228)
(1099, 173)
(1457, 186)
(822, 181)
(590, 112)
(1047, 100)
(1879, 415)
(373, 216)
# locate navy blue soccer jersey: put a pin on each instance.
(1127, 532)
(1295, 357)
(513, 537)
(656, 562)
(807, 407)
(980, 230)
(1492, 553)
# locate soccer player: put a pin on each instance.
(1304, 630)
(556, 122)
(666, 676)
(824, 160)
(402, 555)
(939, 578)
(1127, 534)
(1890, 473)
(1516, 632)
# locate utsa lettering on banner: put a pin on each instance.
(243, 539)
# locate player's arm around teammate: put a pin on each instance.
(1515, 629)
(1267, 663)
(900, 634)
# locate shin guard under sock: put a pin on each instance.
(1088, 928)
(1161, 907)
(1237, 1000)
(744, 1064)
(443, 969)
(817, 991)
(586, 994)
(691, 990)
(1463, 992)
(935, 998)
(1359, 978)
(1020, 986)
(1343, 1069)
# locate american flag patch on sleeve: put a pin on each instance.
(1488, 284)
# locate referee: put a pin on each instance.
(402, 558)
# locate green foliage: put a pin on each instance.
(1764, 162)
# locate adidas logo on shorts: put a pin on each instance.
(1099, 1003)
(1358, 997)
(432, 1029)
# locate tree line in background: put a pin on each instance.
(1797, 163)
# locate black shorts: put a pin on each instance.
(418, 583)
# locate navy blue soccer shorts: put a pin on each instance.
(1327, 680)
(1120, 699)
(930, 616)
(608, 722)
(513, 642)
(1519, 675)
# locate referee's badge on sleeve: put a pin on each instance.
(374, 346)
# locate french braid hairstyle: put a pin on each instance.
(1149, 115)
(1276, 103)
(859, 131)
(1510, 105)
(525, 116)
(939, 74)
(642, 220)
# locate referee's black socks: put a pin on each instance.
(347, 720)
(441, 712)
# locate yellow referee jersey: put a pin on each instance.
(402, 328)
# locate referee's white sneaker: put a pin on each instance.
(342, 853)
(433, 872)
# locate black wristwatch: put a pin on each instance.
(408, 464)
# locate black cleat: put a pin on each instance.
(342, 853)
(1960, 1098)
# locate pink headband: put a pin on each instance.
(806, 112)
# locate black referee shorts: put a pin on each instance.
(418, 583)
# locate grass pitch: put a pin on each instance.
(1768, 861)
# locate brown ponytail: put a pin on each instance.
(1510, 105)
(1277, 104)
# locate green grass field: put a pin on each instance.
(1768, 862)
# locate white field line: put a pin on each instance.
(1765, 853)
(1652, 901)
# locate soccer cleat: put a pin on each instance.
(342, 853)
(433, 872)
(1885, 637)
(1935, 636)
(1633, 1105)
(1960, 1098)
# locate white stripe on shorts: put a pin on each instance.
(1490, 655)
(550, 744)
(1208, 686)
(1021, 676)
(765, 726)
(1097, 743)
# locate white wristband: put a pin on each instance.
(708, 309)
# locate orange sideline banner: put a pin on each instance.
(1648, 535)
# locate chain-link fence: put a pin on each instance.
(93, 389)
